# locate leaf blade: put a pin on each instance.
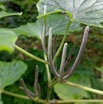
(89, 12)
(11, 72)
(7, 40)
(58, 23)
(66, 92)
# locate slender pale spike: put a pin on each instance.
(31, 93)
(54, 49)
(50, 42)
(44, 32)
(39, 92)
(36, 80)
(83, 43)
(53, 69)
(62, 66)
(54, 45)
(25, 89)
(45, 9)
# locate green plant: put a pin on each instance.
(55, 18)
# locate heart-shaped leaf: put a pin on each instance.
(89, 12)
(11, 72)
(7, 40)
(66, 92)
(58, 22)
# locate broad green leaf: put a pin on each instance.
(58, 22)
(7, 40)
(5, 14)
(66, 92)
(11, 72)
(89, 12)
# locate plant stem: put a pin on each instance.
(49, 80)
(15, 95)
(62, 43)
(74, 101)
(23, 97)
(30, 55)
(84, 88)
(51, 101)
(47, 70)
(48, 94)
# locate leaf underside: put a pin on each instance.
(11, 72)
(66, 92)
(89, 12)
(58, 23)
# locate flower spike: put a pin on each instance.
(44, 31)
(83, 43)
(62, 66)
(53, 69)
(45, 9)
(26, 89)
(36, 81)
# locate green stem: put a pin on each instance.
(47, 70)
(15, 95)
(74, 101)
(84, 88)
(53, 82)
(48, 94)
(49, 80)
(22, 96)
(51, 101)
(30, 55)
(62, 43)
